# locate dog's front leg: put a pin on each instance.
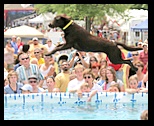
(59, 48)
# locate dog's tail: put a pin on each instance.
(128, 47)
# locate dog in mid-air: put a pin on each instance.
(81, 40)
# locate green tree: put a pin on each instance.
(139, 6)
(88, 12)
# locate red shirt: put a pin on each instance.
(100, 35)
(115, 66)
(21, 44)
(144, 57)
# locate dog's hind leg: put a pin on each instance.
(116, 58)
(129, 63)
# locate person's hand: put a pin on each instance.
(79, 92)
(89, 99)
(74, 54)
(56, 90)
(7, 47)
(80, 56)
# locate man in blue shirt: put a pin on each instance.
(14, 44)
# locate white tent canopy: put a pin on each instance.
(42, 18)
(23, 31)
(124, 22)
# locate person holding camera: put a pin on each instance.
(79, 57)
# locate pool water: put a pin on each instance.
(104, 106)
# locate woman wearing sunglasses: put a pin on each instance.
(90, 79)
(129, 71)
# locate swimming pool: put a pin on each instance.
(67, 106)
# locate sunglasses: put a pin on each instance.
(32, 81)
(87, 77)
(92, 60)
(94, 67)
(36, 52)
(138, 65)
(102, 61)
(134, 54)
(25, 58)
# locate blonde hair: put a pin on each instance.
(101, 69)
(11, 73)
(133, 77)
(88, 71)
(84, 85)
(78, 66)
(114, 84)
(34, 61)
(18, 38)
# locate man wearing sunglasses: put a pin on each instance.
(27, 69)
(37, 54)
(33, 81)
(34, 45)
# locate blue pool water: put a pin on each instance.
(103, 106)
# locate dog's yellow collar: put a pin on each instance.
(68, 25)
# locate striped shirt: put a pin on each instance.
(24, 73)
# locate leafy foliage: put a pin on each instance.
(139, 6)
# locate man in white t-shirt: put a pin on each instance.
(75, 84)
(49, 45)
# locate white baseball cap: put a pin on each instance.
(35, 38)
(27, 87)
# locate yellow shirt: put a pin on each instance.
(61, 81)
(40, 61)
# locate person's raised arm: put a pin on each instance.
(92, 93)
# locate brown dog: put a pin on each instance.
(82, 40)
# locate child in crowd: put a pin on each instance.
(133, 85)
(85, 88)
(114, 87)
(27, 89)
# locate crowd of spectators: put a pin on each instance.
(28, 70)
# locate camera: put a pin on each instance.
(77, 54)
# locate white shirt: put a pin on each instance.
(44, 73)
(96, 87)
(50, 48)
(75, 84)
